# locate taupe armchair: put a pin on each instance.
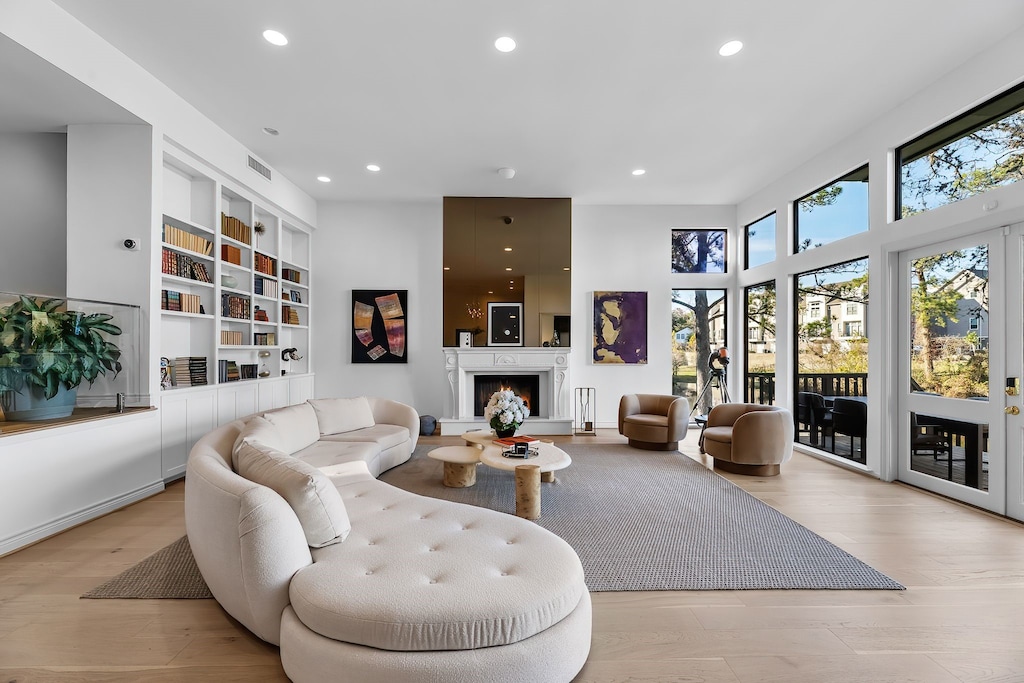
(652, 421)
(747, 438)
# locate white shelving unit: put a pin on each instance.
(194, 200)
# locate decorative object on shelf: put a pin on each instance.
(45, 353)
(259, 229)
(505, 412)
(290, 354)
(165, 373)
(620, 328)
(263, 363)
(379, 325)
(228, 281)
(474, 310)
(505, 324)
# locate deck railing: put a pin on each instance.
(759, 387)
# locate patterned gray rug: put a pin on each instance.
(643, 520)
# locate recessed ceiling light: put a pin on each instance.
(490, 291)
(323, 179)
(511, 282)
(507, 173)
(508, 248)
(275, 37)
(639, 171)
(372, 167)
(271, 131)
(508, 269)
(447, 268)
(505, 44)
(511, 287)
(566, 268)
(730, 48)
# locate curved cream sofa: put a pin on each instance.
(418, 589)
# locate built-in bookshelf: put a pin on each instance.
(235, 282)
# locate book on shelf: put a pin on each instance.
(232, 306)
(290, 315)
(260, 315)
(179, 301)
(184, 239)
(231, 371)
(513, 440)
(231, 254)
(235, 229)
(182, 265)
(291, 275)
(264, 286)
(231, 337)
(189, 371)
(264, 339)
(265, 264)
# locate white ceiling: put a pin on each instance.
(595, 89)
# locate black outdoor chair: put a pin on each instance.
(812, 411)
(850, 417)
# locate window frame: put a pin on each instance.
(746, 240)
(865, 168)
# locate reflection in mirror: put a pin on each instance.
(507, 250)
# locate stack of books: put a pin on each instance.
(234, 228)
(230, 371)
(291, 275)
(513, 440)
(189, 371)
(264, 339)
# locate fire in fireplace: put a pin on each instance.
(525, 386)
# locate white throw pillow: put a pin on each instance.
(297, 425)
(313, 497)
(340, 415)
(258, 431)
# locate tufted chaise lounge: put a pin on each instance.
(419, 590)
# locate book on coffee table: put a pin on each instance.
(513, 440)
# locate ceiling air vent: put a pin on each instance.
(259, 168)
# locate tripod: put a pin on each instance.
(717, 381)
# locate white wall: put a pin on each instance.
(33, 187)
(379, 246)
(628, 248)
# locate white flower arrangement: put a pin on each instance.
(505, 410)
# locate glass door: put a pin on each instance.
(955, 321)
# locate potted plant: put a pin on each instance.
(505, 412)
(45, 353)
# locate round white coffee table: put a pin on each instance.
(459, 464)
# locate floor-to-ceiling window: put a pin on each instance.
(760, 343)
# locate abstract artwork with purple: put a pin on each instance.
(620, 328)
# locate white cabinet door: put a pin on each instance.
(234, 402)
(184, 418)
(300, 389)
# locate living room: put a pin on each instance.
(373, 239)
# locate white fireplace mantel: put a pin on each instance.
(551, 365)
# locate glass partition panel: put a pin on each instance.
(59, 355)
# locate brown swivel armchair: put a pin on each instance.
(747, 438)
(654, 422)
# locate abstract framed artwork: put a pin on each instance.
(379, 329)
(504, 324)
(620, 328)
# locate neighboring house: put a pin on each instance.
(847, 319)
(972, 308)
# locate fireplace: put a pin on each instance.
(525, 386)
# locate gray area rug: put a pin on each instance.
(643, 520)
(168, 573)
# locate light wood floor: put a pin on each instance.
(961, 618)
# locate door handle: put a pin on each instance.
(1012, 410)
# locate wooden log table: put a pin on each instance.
(529, 472)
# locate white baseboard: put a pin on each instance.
(9, 545)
